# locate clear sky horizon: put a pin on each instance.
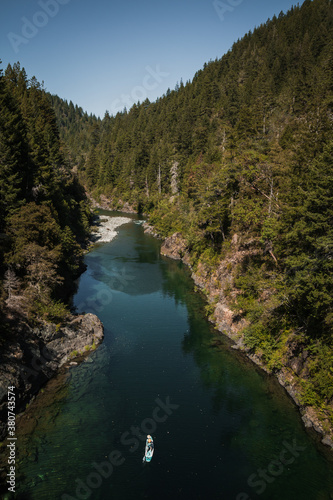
(105, 55)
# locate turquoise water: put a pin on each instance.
(222, 428)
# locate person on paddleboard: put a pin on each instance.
(150, 443)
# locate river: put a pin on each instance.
(222, 428)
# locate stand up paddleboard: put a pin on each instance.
(149, 450)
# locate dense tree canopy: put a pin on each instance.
(44, 217)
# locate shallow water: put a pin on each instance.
(222, 428)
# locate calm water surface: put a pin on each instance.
(222, 428)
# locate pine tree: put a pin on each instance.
(13, 154)
(306, 244)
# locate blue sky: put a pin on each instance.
(106, 54)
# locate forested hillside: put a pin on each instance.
(244, 149)
(44, 215)
(74, 126)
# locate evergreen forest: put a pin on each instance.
(44, 214)
(242, 152)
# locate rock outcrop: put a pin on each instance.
(175, 247)
(148, 229)
(33, 355)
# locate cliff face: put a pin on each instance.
(219, 290)
(33, 355)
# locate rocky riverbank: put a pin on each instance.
(218, 288)
(104, 228)
(32, 356)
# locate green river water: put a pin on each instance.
(222, 428)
